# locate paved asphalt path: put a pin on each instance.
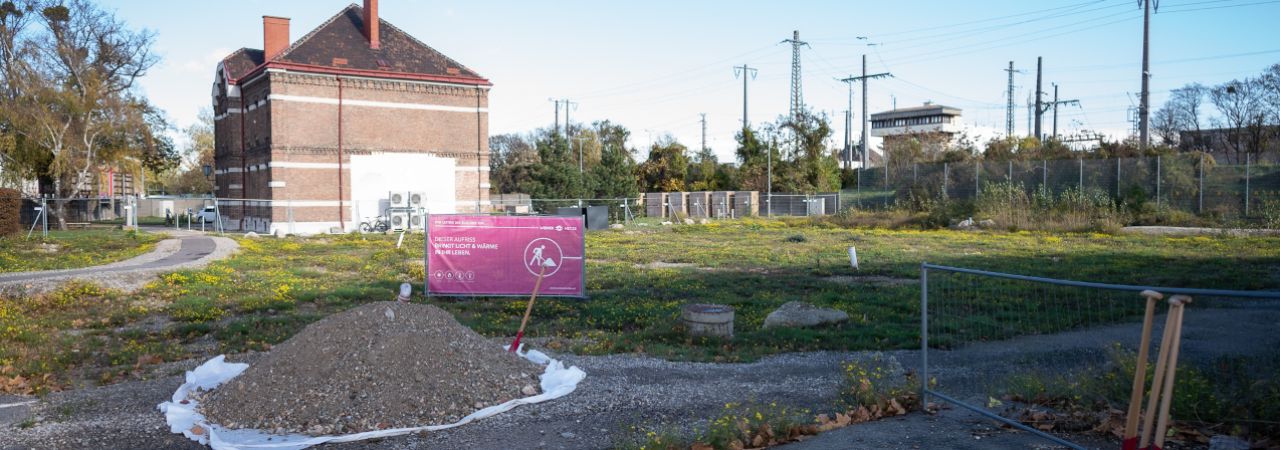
(192, 248)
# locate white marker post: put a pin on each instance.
(853, 258)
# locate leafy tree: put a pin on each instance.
(702, 171)
(816, 167)
(557, 176)
(753, 159)
(666, 168)
(615, 175)
(69, 93)
(512, 163)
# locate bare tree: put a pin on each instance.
(1243, 115)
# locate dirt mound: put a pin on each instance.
(381, 365)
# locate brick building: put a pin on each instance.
(316, 132)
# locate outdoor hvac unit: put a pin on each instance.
(418, 199)
(415, 222)
(399, 220)
(398, 199)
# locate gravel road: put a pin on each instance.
(625, 390)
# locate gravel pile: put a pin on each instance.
(381, 365)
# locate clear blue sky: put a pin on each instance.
(653, 66)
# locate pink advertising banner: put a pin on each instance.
(503, 255)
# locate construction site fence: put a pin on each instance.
(1193, 183)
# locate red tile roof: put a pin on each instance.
(338, 46)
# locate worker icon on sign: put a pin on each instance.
(537, 256)
(542, 255)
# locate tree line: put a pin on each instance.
(69, 107)
(594, 162)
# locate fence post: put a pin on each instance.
(1117, 179)
(915, 173)
(1200, 208)
(858, 181)
(977, 185)
(886, 183)
(924, 335)
(1081, 174)
(1157, 181)
(1247, 165)
(946, 175)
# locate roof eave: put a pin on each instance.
(470, 81)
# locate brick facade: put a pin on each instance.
(279, 131)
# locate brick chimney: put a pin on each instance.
(275, 36)
(371, 23)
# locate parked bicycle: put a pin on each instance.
(378, 224)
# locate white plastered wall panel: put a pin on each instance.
(373, 176)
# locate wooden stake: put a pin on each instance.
(1163, 425)
(1140, 373)
(515, 345)
(1157, 379)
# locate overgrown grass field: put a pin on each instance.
(637, 281)
(72, 249)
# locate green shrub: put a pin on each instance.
(10, 212)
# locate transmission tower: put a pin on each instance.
(797, 93)
(704, 131)
(1008, 113)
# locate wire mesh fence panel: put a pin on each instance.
(1064, 175)
(1180, 182)
(1018, 347)
(1100, 176)
(1224, 191)
(1264, 194)
(961, 183)
(1137, 182)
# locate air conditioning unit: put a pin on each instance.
(399, 220)
(398, 199)
(416, 221)
(417, 199)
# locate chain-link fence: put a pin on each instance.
(1057, 357)
(1186, 182)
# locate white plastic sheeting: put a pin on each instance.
(182, 417)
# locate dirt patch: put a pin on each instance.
(666, 265)
(381, 365)
(877, 280)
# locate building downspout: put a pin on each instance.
(341, 223)
(244, 164)
(479, 145)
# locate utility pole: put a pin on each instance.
(1055, 104)
(797, 93)
(847, 156)
(852, 79)
(567, 104)
(1039, 92)
(744, 70)
(1008, 113)
(704, 131)
(557, 123)
(1144, 105)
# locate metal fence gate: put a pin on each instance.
(1001, 344)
